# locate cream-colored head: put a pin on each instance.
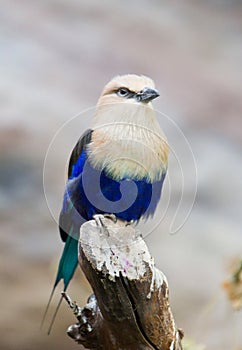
(126, 98)
(127, 138)
(129, 88)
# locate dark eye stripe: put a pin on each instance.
(124, 92)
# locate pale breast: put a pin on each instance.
(129, 152)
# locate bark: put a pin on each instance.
(130, 307)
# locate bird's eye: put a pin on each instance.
(123, 92)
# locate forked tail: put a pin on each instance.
(66, 269)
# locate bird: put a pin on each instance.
(117, 167)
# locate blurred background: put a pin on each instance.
(55, 57)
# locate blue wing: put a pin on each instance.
(69, 220)
(69, 224)
(76, 164)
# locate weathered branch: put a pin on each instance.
(130, 307)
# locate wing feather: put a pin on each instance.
(75, 167)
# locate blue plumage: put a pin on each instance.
(128, 199)
(90, 190)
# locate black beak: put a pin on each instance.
(147, 95)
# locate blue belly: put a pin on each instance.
(93, 192)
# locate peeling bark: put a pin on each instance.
(130, 307)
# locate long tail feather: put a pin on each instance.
(54, 316)
(68, 261)
(66, 269)
(47, 308)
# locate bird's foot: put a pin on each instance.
(129, 222)
(111, 217)
(114, 218)
(99, 219)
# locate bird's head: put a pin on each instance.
(126, 98)
(127, 139)
(129, 88)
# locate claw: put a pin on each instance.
(99, 220)
(129, 222)
(100, 217)
(111, 217)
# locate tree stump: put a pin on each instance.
(130, 307)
